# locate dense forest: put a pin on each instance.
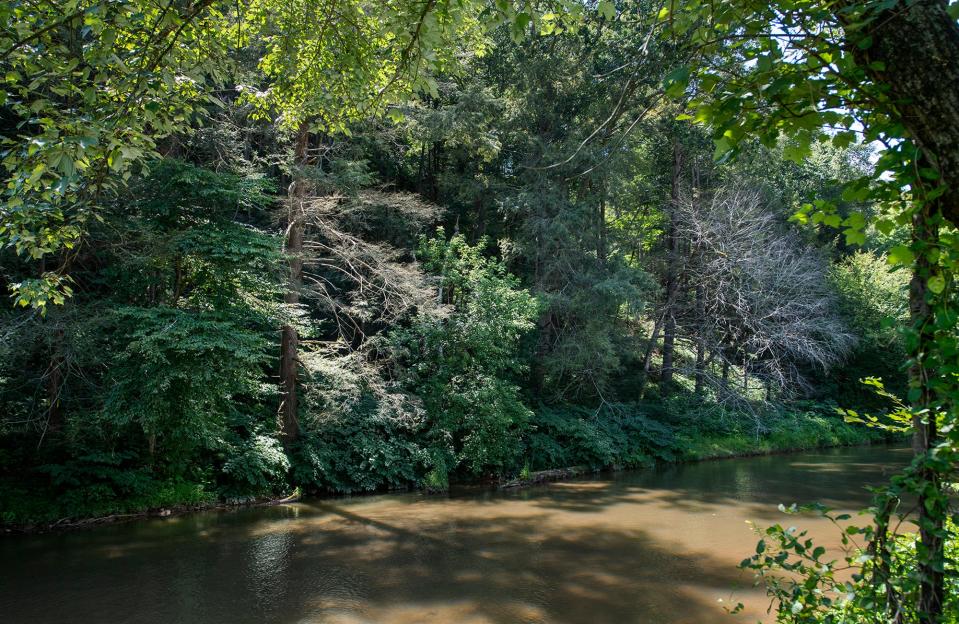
(330, 247)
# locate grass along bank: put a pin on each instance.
(93, 490)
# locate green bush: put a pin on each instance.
(94, 484)
(99, 477)
(361, 450)
(613, 435)
(178, 378)
(808, 586)
(256, 465)
(464, 364)
(873, 300)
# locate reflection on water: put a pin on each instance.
(657, 546)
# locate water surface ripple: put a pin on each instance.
(657, 546)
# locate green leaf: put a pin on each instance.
(936, 284)
(522, 20)
(676, 81)
(797, 152)
(723, 147)
(607, 9)
(844, 139)
(855, 237)
(884, 226)
(855, 221)
(901, 255)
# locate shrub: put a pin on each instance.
(256, 465)
(807, 586)
(463, 362)
(360, 450)
(612, 435)
(873, 300)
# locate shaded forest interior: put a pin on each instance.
(530, 264)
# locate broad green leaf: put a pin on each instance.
(936, 284)
(901, 255)
(607, 9)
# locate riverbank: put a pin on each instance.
(75, 524)
(732, 447)
(648, 545)
(39, 510)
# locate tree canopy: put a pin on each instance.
(350, 245)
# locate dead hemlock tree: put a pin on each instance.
(362, 286)
(761, 298)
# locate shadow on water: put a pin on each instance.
(490, 569)
(836, 478)
(657, 546)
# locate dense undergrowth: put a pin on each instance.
(357, 458)
(426, 301)
(414, 374)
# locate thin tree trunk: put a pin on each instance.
(289, 362)
(882, 558)
(648, 357)
(700, 342)
(672, 271)
(932, 508)
(601, 243)
(177, 280)
(55, 417)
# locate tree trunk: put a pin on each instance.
(700, 342)
(601, 241)
(648, 357)
(913, 49)
(672, 270)
(55, 417)
(932, 507)
(289, 362)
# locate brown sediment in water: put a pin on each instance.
(657, 546)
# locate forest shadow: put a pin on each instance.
(570, 552)
(756, 485)
(335, 564)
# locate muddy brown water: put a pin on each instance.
(658, 546)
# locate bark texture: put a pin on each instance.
(672, 268)
(289, 362)
(917, 47)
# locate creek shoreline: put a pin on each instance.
(540, 477)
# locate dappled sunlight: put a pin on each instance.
(647, 546)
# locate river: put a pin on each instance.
(655, 546)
